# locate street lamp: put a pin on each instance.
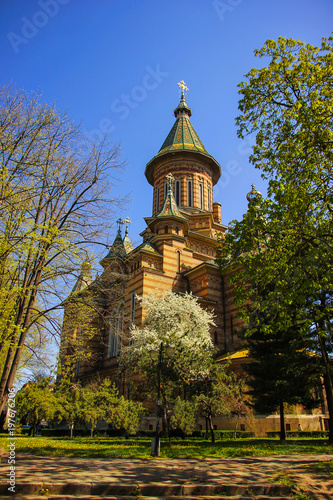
(158, 356)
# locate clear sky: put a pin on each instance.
(115, 64)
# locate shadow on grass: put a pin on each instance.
(322, 469)
(185, 449)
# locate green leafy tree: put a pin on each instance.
(215, 395)
(54, 193)
(281, 252)
(183, 415)
(36, 401)
(118, 412)
(71, 403)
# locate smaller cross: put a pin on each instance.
(169, 178)
(182, 85)
(119, 222)
(127, 222)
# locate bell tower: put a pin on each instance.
(194, 170)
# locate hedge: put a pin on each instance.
(225, 434)
(175, 433)
(300, 434)
(81, 432)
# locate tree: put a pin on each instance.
(183, 415)
(284, 370)
(54, 192)
(71, 404)
(118, 412)
(281, 251)
(215, 394)
(98, 402)
(36, 401)
(171, 320)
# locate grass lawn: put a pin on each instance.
(187, 448)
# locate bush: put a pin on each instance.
(82, 432)
(226, 434)
(299, 434)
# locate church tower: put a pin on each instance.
(178, 249)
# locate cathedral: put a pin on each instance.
(177, 253)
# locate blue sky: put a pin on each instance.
(115, 64)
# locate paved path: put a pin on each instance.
(136, 471)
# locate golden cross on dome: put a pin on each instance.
(120, 223)
(127, 222)
(182, 85)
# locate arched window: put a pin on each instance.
(178, 261)
(209, 196)
(115, 331)
(157, 198)
(132, 314)
(189, 193)
(178, 191)
(201, 195)
(166, 229)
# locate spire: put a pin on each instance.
(84, 278)
(117, 248)
(169, 205)
(182, 135)
(254, 197)
(126, 241)
(182, 138)
(182, 108)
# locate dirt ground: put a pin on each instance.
(295, 468)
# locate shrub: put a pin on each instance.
(300, 434)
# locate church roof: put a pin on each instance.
(127, 243)
(183, 138)
(84, 279)
(182, 135)
(121, 246)
(148, 246)
(117, 248)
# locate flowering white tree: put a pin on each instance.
(171, 320)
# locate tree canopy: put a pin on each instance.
(177, 321)
(54, 188)
(282, 249)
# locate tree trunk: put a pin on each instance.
(282, 423)
(328, 383)
(166, 419)
(329, 398)
(212, 435)
(14, 354)
(207, 434)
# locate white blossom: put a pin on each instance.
(175, 320)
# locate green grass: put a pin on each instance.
(140, 448)
(322, 469)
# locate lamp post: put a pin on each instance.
(158, 356)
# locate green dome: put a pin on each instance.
(183, 138)
(182, 135)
